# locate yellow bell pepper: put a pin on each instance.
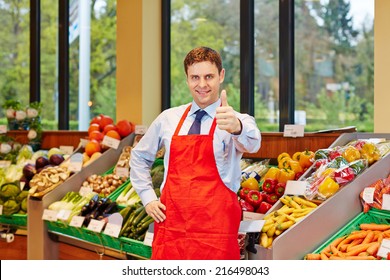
(285, 175)
(283, 155)
(305, 159)
(328, 187)
(295, 166)
(284, 162)
(296, 156)
(351, 154)
(370, 152)
(272, 173)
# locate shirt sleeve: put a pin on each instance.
(249, 141)
(141, 161)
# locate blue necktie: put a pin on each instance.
(195, 127)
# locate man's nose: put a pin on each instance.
(202, 82)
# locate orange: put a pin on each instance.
(92, 147)
(93, 127)
(96, 135)
(109, 127)
(113, 134)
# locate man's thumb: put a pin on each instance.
(224, 98)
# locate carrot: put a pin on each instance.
(357, 235)
(337, 241)
(374, 226)
(373, 249)
(354, 251)
(326, 249)
(323, 256)
(312, 256)
(344, 247)
(360, 258)
(354, 243)
(336, 251)
(369, 237)
(332, 257)
(386, 233)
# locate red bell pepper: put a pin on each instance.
(298, 175)
(269, 185)
(272, 198)
(246, 206)
(254, 198)
(243, 193)
(344, 176)
(264, 207)
(279, 189)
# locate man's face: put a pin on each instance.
(203, 80)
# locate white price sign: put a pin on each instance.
(294, 130)
(49, 215)
(368, 195)
(67, 150)
(112, 230)
(295, 187)
(77, 221)
(96, 225)
(140, 129)
(63, 214)
(111, 142)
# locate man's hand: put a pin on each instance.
(226, 119)
(154, 210)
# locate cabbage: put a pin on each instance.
(39, 153)
(25, 153)
(13, 173)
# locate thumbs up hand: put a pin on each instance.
(226, 118)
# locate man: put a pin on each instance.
(198, 215)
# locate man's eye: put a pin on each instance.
(208, 77)
(195, 78)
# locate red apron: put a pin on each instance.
(203, 215)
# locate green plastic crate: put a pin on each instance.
(64, 229)
(19, 220)
(135, 247)
(372, 216)
(111, 242)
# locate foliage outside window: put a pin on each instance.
(212, 23)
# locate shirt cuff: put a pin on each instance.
(148, 196)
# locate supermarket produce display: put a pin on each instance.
(100, 192)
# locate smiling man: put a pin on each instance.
(197, 215)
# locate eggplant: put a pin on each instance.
(29, 171)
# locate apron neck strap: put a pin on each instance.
(183, 117)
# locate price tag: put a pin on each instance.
(148, 240)
(63, 214)
(386, 202)
(149, 235)
(140, 129)
(3, 129)
(83, 142)
(251, 216)
(384, 248)
(67, 150)
(75, 162)
(368, 195)
(5, 163)
(77, 221)
(111, 142)
(293, 130)
(49, 215)
(251, 226)
(1, 209)
(295, 187)
(122, 171)
(112, 230)
(96, 225)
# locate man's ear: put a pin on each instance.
(222, 76)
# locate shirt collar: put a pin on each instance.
(210, 110)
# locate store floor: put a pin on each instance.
(17, 250)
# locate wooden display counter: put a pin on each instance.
(273, 143)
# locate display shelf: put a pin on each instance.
(319, 225)
(39, 245)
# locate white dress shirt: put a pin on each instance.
(228, 148)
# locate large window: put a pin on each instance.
(14, 53)
(212, 23)
(334, 64)
(92, 59)
(332, 52)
